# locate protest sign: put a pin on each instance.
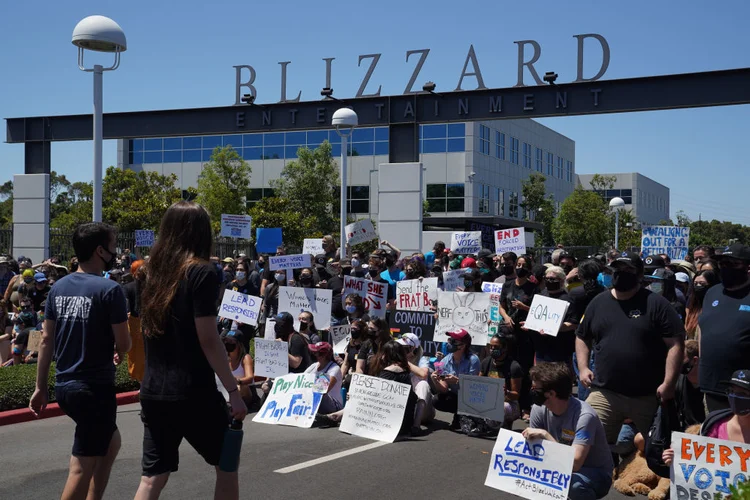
(315, 300)
(467, 310)
(704, 467)
(271, 358)
(374, 294)
(267, 239)
(360, 231)
(482, 397)
(546, 314)
(292, 401)
(340, 338)
(490, 287)
(421, 324)
(538, 470)
(144, 238)
(312, 246)
(375, 408)
(416, 295)
(269, 332)
(469, 242)
(510, 240)
(495, 317)
(290, 262)
(236, 226)
(239, 307)
(671, 240)
(454, 279)
(35, 341)
(488, 233)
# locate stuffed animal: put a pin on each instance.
(633, 475)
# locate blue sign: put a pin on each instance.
(267, 239)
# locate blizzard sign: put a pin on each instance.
(671, 240)
(510, 240)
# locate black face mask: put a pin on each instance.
(552, 286)
(740, 405)
(537, 397)
(373, 272)
(109, 264)
(410, 275)
(230, 347)
(567, 269)
(508, 270)
(303, 326)
(372, 333)
(356, 334)
(261, 264)
(305, 280)
(497, 354)
(731, 277)
(624, 282)
(522, 272)
(453, 347)
(468, 284)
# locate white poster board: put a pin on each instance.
(482, 397)
(416, 295)
(312, 246)
(490, 287)
(340, 337)
(241, 308)
(292, 401)
(454, 279)
(360, 231)
(537, 470)
(468, 242)
(704, 467)
(236, 226)
(271, 358)
(373, 293)
(546, 314)
(375, 409)
(510, 240)
(144, 238)
(290, 262)
(467, 310)
(671, 240)
(270, 332)
(315, 300)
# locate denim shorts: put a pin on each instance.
(93, 407)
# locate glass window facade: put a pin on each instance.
(484, 140)
(513, 205)
(625, 194)
(499, 145)
(499, 202)
(484, 199)
(445, 197)
(527, 155)
(254, 195)
(441, 138)
(550, 164)
(358, 199)
(539, 160)
(560, 161)
(569, 171)
(514, 150)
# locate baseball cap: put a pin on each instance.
(28, 273)
(683, 266)
(321, 347)
(468, 262)
(736, 251)
(4, 259)
(740, 378)
(228, 260)
(320, 260)
(682, 277)
(233, 334)
(284, 319)
(40, 278)
(409, 340)
(654, 262)
(484, 253)
(460, 335)
(628, 259)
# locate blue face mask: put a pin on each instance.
(351, 309)
(605, 280)
(240, 275)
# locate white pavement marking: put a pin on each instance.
(335, 456)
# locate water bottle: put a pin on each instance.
(230, 451)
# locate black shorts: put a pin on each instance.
(202, 421)
(93, 407)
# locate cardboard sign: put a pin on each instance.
(375, 408)
(510, 240)
(469, 242)
(144, 238)
(269, 332)
(416, 295)
(241, 308)
(312, 246)
(236, 226)
(467, 310)
(271, 358)
(360, 231)
(340, 338)
(489, 287)
(482, 397)
(704, 467)
(539, 470)
(374, 294)
(315, 300)
(35, 341)
(546, 314)
(495, 317)
(293, 400)
(421, 324)
(267, 239)
(454, 279)
(671, 240)
(290, 262)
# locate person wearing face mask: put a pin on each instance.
(459, 361)
(568, 264)
(507, 267)
(486, 265)
(500, 364)
(298, 353)
(241, 364)
(415, 269)
(375, 268)
(307, 327)
(357, 261)
(472, 281)
(392, 273)
(305, 279)
(358, 329)
(702, 282)
(22, 281)
(328, 378)
(725, 325)
(270, 306)
(638, 339)
(424, 412)
(354, 306)
(378, 333)
(558, 417)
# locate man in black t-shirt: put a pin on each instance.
(638, 341)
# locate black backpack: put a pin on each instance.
(713, 418)
(660, 437)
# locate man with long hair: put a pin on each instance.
(179, 397)
(86, 326)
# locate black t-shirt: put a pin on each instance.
(411, 402)
(336, 285)
(298, 348)
(509, 369)
(131, 294)
(628, 339)
(689, 402)
(580, 299)
(560, 348)
(725, 336)
(368, 350)
(38, 297)
(524, 293)
(176, 368)
(249, 288)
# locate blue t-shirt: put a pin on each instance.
(392, 277)
(467, 366)
(429, 259)
(84, 307)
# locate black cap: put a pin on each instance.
(233, 334)
(736, 251)
(628, 259)
(654, 262)
(284, 319)
(740, 378)
(485, 253)
(320, 260)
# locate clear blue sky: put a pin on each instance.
(180, 54)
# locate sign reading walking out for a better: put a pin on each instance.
(482, 397)
(290, 262)
(144, 238)
(530, 469)
(468, 242)
(510, 240)
(271, 358)
(360, 231)
(416, 295)
(236, 226)
(240, 307)
(704, 467)
(546, 315)
(375, 408)
(293, 400)
(671, 240)
(467, 310)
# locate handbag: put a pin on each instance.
(660, 437)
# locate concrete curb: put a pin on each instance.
(53, 410)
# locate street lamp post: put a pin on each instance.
(617, 204)
(344, 120)
(100, 34)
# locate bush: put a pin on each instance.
(17, 384)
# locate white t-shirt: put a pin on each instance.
(329, 371)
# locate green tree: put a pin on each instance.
(6, 205)
(78, 199)
(600, 183)
(539, 207)
(311, 185)
(582, 221)
(223, 183)
(280, 212)
(629, 230)
(137, 200)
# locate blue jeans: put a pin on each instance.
(625, 441)
(583, 392)
(589, 484)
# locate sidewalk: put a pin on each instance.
(53, 410)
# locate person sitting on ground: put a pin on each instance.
(25, 322)
(6, 333)
(242, 366)
(328, 378)
(500, 364)
(558, 417)
(307, 327)
(418, 365)
(299, 355)
(378, 333)
(358, 328)
(391, 364)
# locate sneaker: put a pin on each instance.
(455, 424)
